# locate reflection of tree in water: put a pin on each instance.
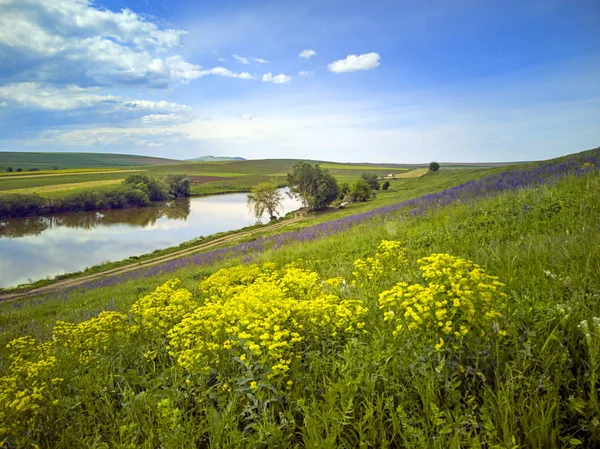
(178, 209)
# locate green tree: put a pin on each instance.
(386, 185)
(344, 189)
(361, 190)
(179, 184)
(19, 169)
(314, 186)
(371, 179)
(9, 169)
(265, 197)
(434, 166)
(157, 190)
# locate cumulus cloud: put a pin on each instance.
(306, 54)
(353, 63)
(72, 41)
(50, 98)
(277, 79)
(306, 73)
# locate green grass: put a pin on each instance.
(47, 161)
(238, 176)
(400, 190)
(535, 387)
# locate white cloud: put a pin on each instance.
(222, 71)
(247, 116)
(111, 136)
(241, 59)
(277, 79)
(244, 60)
(221, 59)
(3, 104)
(355, 62)
(307, 54)
(71, 41)
(39, 96)
(163, 118)
(306, 73)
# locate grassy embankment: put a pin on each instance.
(263, 358)
(405, 187)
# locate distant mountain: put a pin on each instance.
(215, 158)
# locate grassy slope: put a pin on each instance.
(400, 190)
(529, 389)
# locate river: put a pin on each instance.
(34, 248)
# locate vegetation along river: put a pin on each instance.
(34, 248)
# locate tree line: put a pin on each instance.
(135, 191)
(316, 188)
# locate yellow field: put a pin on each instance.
(334, 166)
(63, 187)
(412, 173)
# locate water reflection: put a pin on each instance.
(37, 247)
(139, 217)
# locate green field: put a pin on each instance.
(228, 176)
(334, 340)
(50, 161)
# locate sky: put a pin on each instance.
(344, 80)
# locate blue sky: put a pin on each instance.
(379, 81)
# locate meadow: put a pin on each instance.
(465, 317)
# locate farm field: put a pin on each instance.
(466, 315)
(208, 177)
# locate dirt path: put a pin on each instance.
(65, 283)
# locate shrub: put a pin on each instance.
(372, 180)
(361, 190)
(434, 166)
(386, 185)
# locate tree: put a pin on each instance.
(344, 189)
(9, 169)
(315, 187)
(265, 197)
(19, 169)
(361, 190)
(372, 179)
(157, 190)
(386, 185)
(179, 184)
(434, 166)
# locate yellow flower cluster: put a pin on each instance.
(390, 256)
(164, 307)
(22, 390)
(262, 316)
(458, 298)
(88, 338)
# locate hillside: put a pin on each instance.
(50, 161)
(215, 159)
(469, 317)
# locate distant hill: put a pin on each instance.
(215, 158)
(49, 161)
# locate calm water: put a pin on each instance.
(38, 247)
